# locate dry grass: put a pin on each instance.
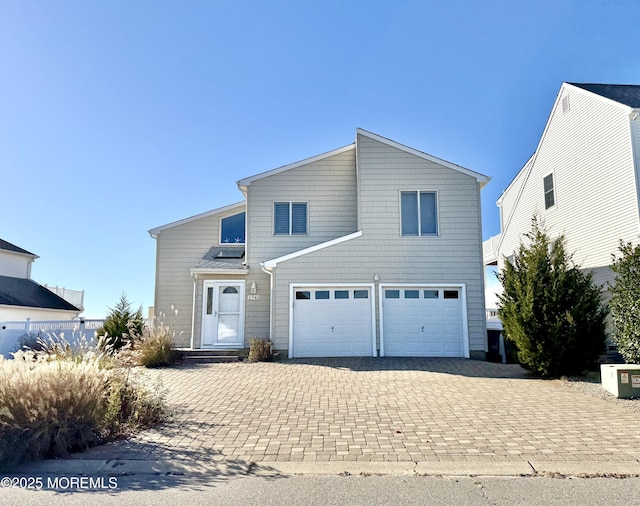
(67, 399)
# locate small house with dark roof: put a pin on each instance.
(583, 179)
(371, 249)
(20, 296)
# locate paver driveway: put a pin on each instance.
(383, 409)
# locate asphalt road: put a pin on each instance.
(334, 490)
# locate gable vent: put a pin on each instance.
(565, 104)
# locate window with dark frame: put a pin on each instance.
(290, 218)
(419, 213)
(549, 195)
(232, 229)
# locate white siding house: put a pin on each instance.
(582, 179)
(370, 249)
(21, 298)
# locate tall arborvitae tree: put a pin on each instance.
(625, 302)
(550, 309)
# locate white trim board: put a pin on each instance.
(155, 231)
(480, 178)
(243, 183)
(270, 264)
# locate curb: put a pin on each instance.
(125, 467)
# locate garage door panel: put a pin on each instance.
(338, 326)
(430, 325)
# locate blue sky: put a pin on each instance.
(119, 116)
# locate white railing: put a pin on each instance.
(492, 319)
(490, 249)
(12, 331)
(492, 314)
(75, 297)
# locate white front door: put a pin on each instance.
(223, 314)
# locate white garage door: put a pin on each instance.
(332, 322)
(422, 322)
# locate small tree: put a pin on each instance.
(121, 323)
(625, 302)
(550, 309)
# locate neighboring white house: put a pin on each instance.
(371, 249)
(21, 297)
(582, 180)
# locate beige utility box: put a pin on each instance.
(622, 380)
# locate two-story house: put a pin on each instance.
(371, 249)
(582, 180)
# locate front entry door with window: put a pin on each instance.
(223, 314)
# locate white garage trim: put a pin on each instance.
(463, 308)
(294, 286)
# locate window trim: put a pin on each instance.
(418, 192)
(290, 202)
(552, 191)
(220, 242)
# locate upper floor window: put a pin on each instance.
(232, 229)
(290, 218)
(419, 213)
(549, 196)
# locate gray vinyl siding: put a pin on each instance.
(589, 151)
(455, 256)
(329, 188)
(178, 250)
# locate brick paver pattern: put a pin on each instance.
(384, 409)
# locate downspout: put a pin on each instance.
(193, 310)
(270, 273)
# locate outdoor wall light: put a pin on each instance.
(254, 288)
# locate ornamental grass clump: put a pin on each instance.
(49, 407)
(153, 347)
(132, 403)
(260, 350)
(60, 400)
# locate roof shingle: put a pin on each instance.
(627, 94)
(5, 245)
(27, 293)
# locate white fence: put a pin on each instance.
(73, 330)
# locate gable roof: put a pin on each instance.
(27, 293)
(7, 246)
(155, 231)
(481, 178)
(627, 94)
(243, 183)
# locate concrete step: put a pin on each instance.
(212, 356)
(210, 359)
